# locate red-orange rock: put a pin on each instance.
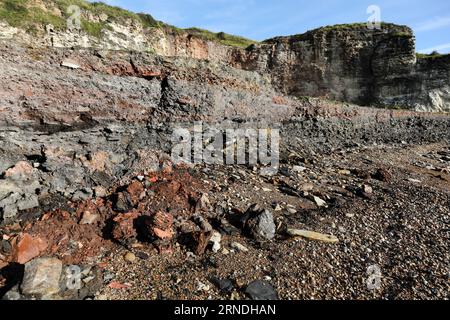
(201, 240)
(27, 247)
(163, 234)
(136, 191)
(124, 226)
(118, 286)
(161, 225)
(153, 179)
(151, 73)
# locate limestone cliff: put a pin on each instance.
(56, 23)
(352, 63)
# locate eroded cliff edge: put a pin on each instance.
(350, 63)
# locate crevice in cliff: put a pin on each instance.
(42, 125)
(163, 102)
(370, 95)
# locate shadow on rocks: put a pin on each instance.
(13, 273)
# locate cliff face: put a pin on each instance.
(108, 114)
(352, 63)
(128, 36)
(80, 24)
(345, 63)
(75, 133)
(430, 84)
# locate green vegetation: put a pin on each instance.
(17, 14)
(403, 34)
(27, 14)
(148, 21)
(395, 30)
(433, 55)
(93, 28)
(347, 26)
(363, 25)
(221, 37)
(13, 12)
(114, 14)
(64, 4)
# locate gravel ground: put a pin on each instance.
(393, 240)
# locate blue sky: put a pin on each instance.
(263, 19)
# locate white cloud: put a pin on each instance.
(439, 48)
(434, 24)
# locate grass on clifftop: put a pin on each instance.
(224, 38)
(28, 15)
(433, 55)
(346, 26)
(18, 15)
(393, 29)
(363, 25)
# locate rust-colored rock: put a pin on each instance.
(67, 239)
(382, 175)
(27, 247)
(150, 73)
(161, 225)
(200, 241)
(153, 179)
(163, 234)
(136, 191)
(123, 228)
(118, 286)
